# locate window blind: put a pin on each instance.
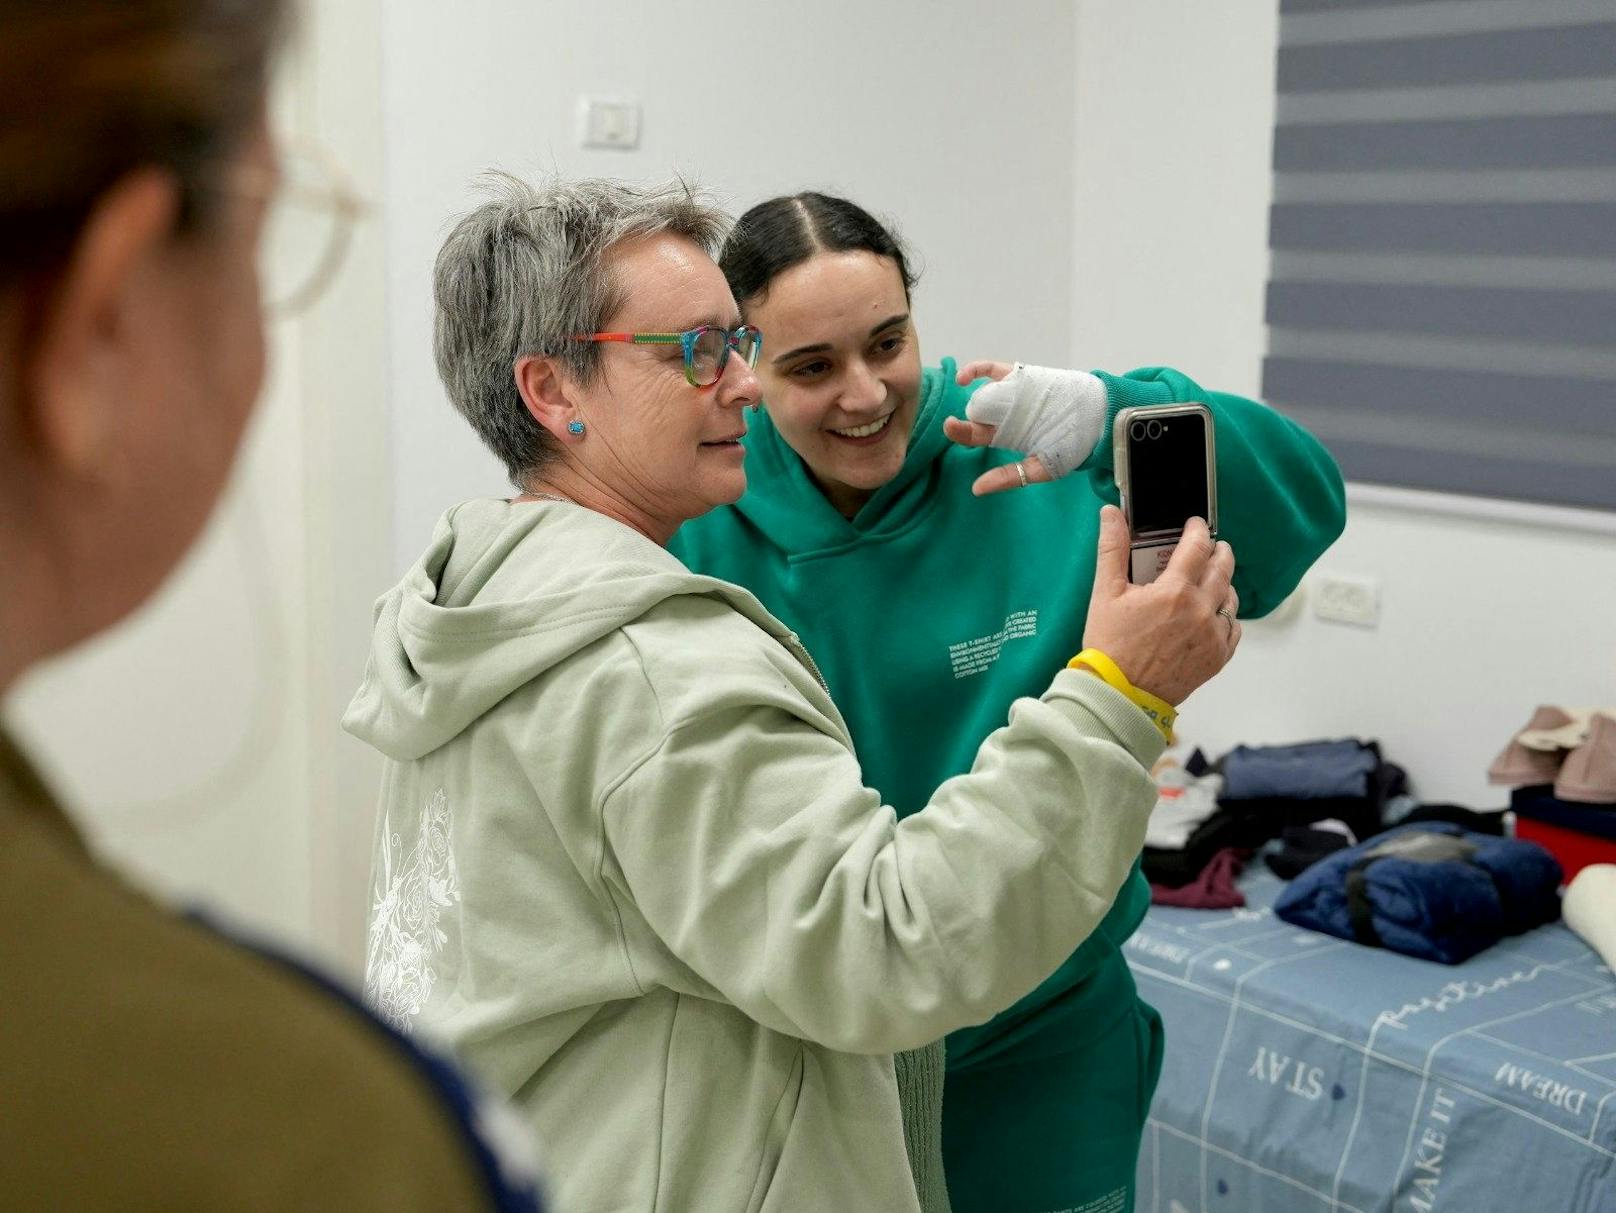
(1442, 293)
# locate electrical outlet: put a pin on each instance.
(1343, 599)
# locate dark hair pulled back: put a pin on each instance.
(783, 232)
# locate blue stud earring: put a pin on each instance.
(575, 427)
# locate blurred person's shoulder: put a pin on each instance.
(149, 1062)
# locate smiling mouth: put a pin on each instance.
(735, 441)
(866, 431)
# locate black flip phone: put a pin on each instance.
(1166, 469)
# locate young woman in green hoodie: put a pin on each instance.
(876, 524)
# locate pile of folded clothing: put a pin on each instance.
(1562, 767)
(1572, 750)
(1264, 791)
(1432, 890)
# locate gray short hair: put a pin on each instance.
(523, 272)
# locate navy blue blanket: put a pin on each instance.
(1434, 890)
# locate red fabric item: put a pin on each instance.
(1213, 889)
(1574, 849)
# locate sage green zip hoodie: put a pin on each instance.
(626, 865)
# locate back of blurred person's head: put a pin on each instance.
(135, 166)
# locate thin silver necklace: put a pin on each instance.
(526, 492)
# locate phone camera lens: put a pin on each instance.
(1136, 431)
(1154, 429)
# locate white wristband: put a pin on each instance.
(1038, 410)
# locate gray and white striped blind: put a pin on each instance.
(1442, 298)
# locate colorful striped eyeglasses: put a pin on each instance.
(706, 349)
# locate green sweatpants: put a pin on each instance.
(1051, 1123)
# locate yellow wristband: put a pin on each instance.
(1162, 714)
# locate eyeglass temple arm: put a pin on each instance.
(633, 338)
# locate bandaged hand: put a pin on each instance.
(1055, 416)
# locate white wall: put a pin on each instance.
(1482, 618)
(1175, 116)
(954, 116)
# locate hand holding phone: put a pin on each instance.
(1166, 470)
(1169, 637)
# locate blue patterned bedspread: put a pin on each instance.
(1305, 1074)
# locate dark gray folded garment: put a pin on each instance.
(1310, 771)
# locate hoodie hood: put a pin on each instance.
(503, 593)
(784, 503)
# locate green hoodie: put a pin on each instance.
(932, 610)
(628, 867)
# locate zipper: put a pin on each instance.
(801, 653)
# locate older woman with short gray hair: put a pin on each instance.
(522, 275)
(626, 862)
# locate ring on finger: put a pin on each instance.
(1021, 471)
(1228, 616)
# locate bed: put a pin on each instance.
(1305, 1074)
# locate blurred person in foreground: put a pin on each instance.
(145, 1061)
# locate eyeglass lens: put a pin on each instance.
(711, 347)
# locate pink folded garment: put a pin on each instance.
(1589, 773)
(1520, 765)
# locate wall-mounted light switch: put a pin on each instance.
(608, 122)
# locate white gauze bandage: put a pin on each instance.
(1054, 414)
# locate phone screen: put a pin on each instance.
(1166, 472)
